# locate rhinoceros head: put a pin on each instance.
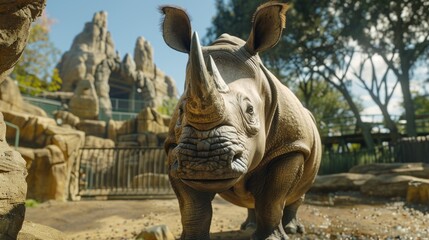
(219, 129)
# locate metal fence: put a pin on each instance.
(411, 149)
(124, 173)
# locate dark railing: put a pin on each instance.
(128, 105)
(124, 173)
(337, 162)
(412, 149)
(347, 125)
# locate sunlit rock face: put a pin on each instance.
(15, 21)
(92, 57)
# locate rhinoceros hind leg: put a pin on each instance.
(250, 220)
(291, 223)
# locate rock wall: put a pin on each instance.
(148, 129)
(11, 100)
(15, 21)
(51, 153)
(92, 57)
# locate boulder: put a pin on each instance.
(93, 128)
(84, 103)
(97, 142)
(160, 232)
(34, 231)
(11, 100)
(340, 182)
(13, 188)
(48, 175)
(387, 185)
(66, 118)
(420, 170)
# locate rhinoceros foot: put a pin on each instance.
(295, 226)
(277, 234)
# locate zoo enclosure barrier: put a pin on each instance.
(124, 173)
(409, 149)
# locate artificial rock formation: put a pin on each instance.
(51, 154)
(11, 100)
(15, 21)
(92, 57)
(405, 180)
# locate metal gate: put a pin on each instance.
(124, 173)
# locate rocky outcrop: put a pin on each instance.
(147, 129)
(34, 231)
(11, 100)
(405, 180)
(340, 182)
(159, 232)
(420, 170)
(89, 48)
(15, 21)
(93, 58)
(51, 153)
(13, 188)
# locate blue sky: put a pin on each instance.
(127, 20)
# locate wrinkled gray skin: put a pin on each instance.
(237, 131)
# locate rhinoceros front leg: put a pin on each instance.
(195, 210)
(281, 177)
(291, 223)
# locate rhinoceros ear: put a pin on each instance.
(176, 28)
(268, 23)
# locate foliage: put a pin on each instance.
(327, 39)
(396, 30)
(34, 69)
(421, 103)
(292, 60)
(31, 203)
(324, 102)
(168, 106)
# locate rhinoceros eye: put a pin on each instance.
(250, 110)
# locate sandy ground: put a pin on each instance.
(331, 216)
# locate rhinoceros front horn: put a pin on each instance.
(205, 105)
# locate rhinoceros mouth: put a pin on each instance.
(209, 157)
(219, 185)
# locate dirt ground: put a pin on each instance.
(329, 216)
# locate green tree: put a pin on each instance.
(397, 31)
(168, 106)
(308, 53)
(34, 71)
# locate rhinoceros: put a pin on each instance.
(237, 131)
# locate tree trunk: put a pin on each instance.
(408, 104)
(366, 131)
